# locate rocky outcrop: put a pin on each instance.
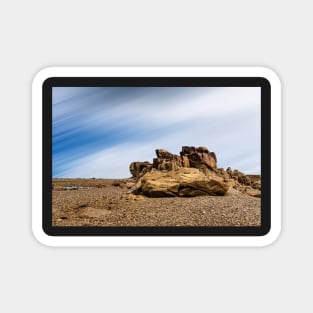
(200, 155)
(167, 161)
(200, 158)
(191, 173)
(187, 182)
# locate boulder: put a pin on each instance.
(164, 154)
(138, 169)
(186, 182)
(193, 172)
(158, 184)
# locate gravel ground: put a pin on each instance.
(110, 205)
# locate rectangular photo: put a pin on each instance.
(156, 156)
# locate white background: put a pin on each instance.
(37, 34)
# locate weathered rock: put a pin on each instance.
(190, 192)
(138, 169)
(164, 154)
(158, 184)
(199, 155)
(185, 161)
(229, 171)
(181, 182)
(208, 159)
(203, 168)
(200, 158)
(221, 172)
(203, 150)
(243, 179)
(187, 150)
(168, 164)
(163, 176)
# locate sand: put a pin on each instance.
(105, 202)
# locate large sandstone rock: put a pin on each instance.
(181, 182)
(197, 165)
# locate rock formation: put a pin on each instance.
(193, 172)
(181, 182)
(200, 158)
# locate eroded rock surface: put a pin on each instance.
(138, 169)
(193, 172)
(185, 182)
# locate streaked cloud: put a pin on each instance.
(99, 131)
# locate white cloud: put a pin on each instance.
(227, 120)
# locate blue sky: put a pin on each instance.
(99, 131)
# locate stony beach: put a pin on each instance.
(107, 202)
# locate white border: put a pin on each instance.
(161, 241)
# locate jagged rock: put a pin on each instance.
(185, 161)
(199, 155)
(168, 164)
(241, 177)
(221, 172)
(138, 169)
(163, 183)
(200, 158)
(187, 150)
(164, 154)
(181, 182)
(202, 150)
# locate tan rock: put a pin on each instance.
(181, 182)
(167, 175)
(158, 184)
(199, 155)
(185, 161)
(253, 192)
